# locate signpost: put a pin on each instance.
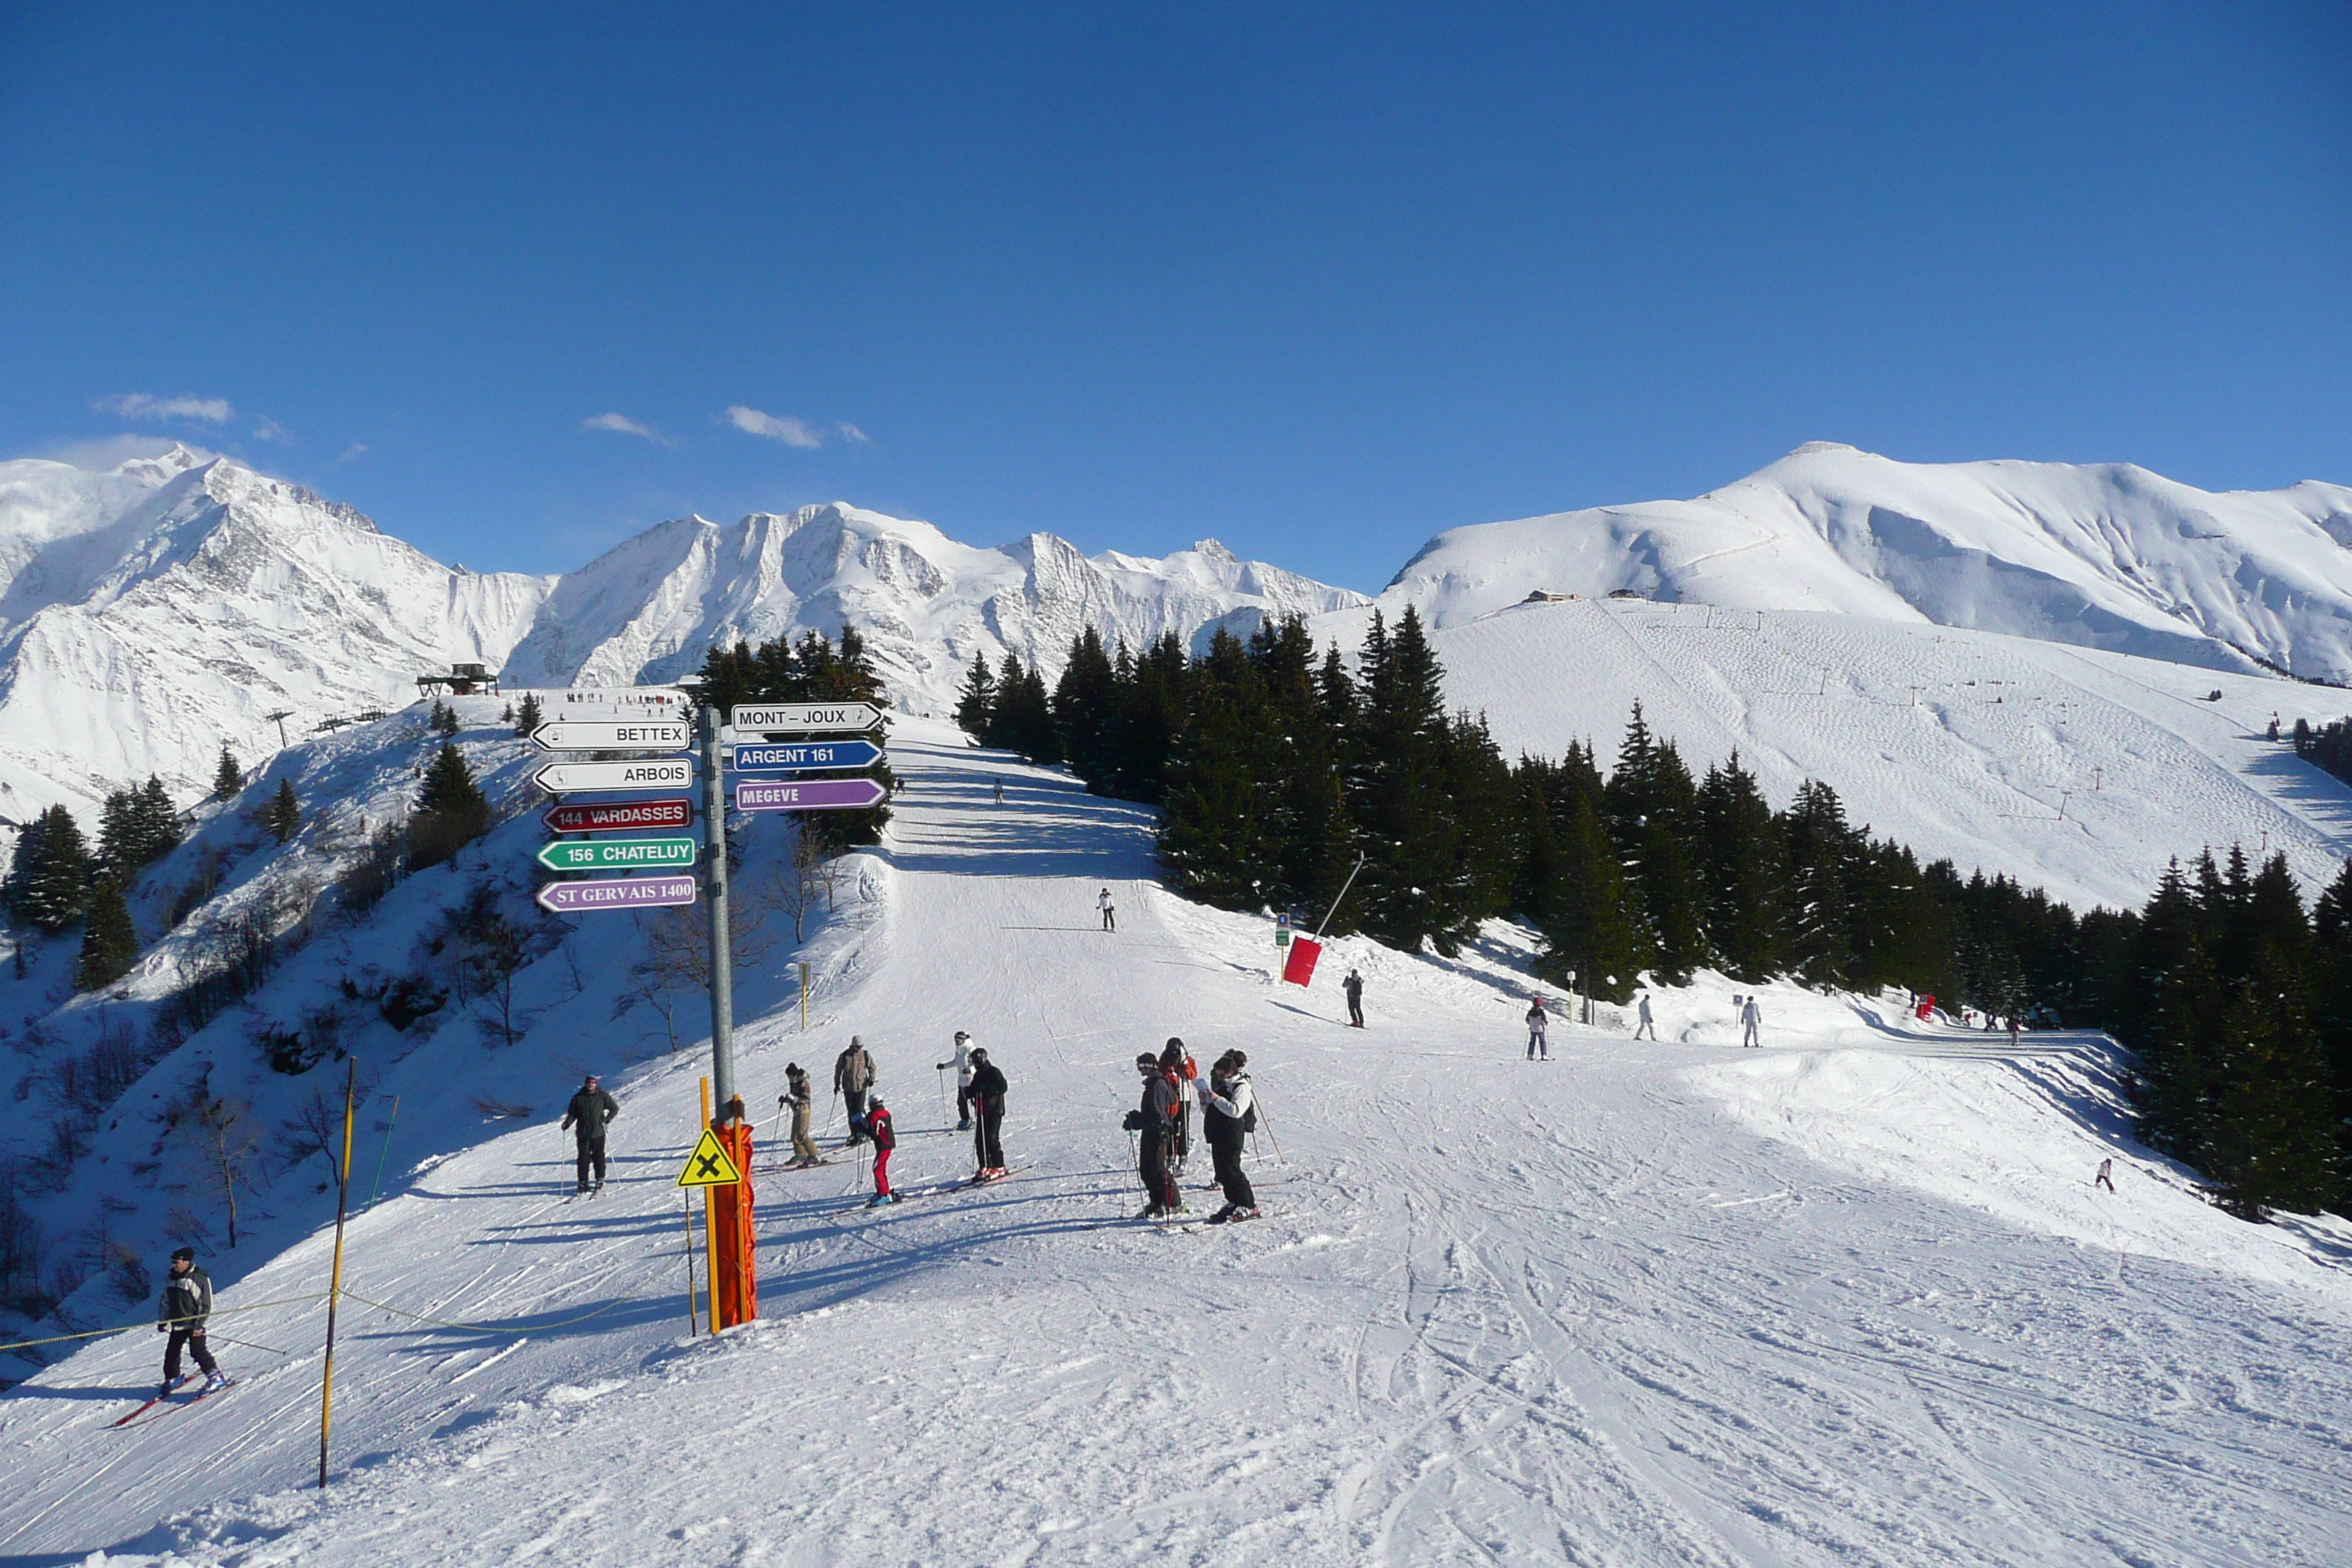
(611, 702)
(591, 778)
(804, 756)
(614, 735)
(824, 717)
(674, 810)
(709, 1165)
(618, 854)
(816, 794)
(616, 893)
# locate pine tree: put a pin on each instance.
(977, 701)
(2331, 978)
(1083, 701)
(527, 717)
(2274, 1140)
(1588, 929)
(1410, 890)
(1021, 720)
(159, 819)
(49, 880)
(1821, 850)
(1653, 816)
(286, 810)
(451, 811)
(1743, 862)
(443, 718)
(228, 779)
(109, 943)
(1153, 701)
(1213, 838)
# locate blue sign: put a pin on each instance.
(803, 757)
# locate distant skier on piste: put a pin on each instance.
(1647, 1023)
(591, 1111)
(960, 1058)
(1228, 1115)
(797, 1097)
(852, 1079)
(988, 1088)
(1354, 986)
(1751, 1020)
(1539, 1021)
(886, 1138)
(1109, 911)
(187, 1303)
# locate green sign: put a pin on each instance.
(618, 854)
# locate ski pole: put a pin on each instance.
(1267, 1123)
(378, 1187)
(249, 1344)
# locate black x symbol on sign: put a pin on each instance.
(707, 1165)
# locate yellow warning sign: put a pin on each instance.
(709, 1165)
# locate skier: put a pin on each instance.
(1354, 986)
(2105, 1177)
(590, 1112)
(1750, 1020)
(853, 1076)
(1155, 1119)
(999, 792)
(1229, 1114)
(1538, 1022)
(1643, 1002)
(187, 1303)
(877, 1125)
(1109, 911)
(1177, 1061)
(960, 1059)
(796, 1095)
(988, 1100)
(2012, 1031)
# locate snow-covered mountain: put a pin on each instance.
(153, 613)
(648, 608)
(2106, 555)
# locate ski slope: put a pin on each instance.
(2078, 769)
(1620, 1308)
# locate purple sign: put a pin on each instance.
(816, 794)
(616, 893)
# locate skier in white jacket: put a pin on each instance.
(961, 1061)
(1750, 1021)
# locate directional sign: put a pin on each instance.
(616, 735)
(587, 778)
(816, 794)
(618, 854)
(709, 1165)
(824, 716)
(613, 816)
(616, 893)
(806, 755)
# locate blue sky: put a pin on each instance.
(1317, 281)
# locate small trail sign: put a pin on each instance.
(616, 893)
(709, 1165)
(618, 816)
(816, 794)
(805, 756)
(590, 778)
(665, 853)
(847, 717)
(614, 735)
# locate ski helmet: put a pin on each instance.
(980, 1054)
(184, 1255)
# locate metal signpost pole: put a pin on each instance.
(722, 959)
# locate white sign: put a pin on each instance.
(806, 716)
(610, 702)
(571, 778)
(614, 735)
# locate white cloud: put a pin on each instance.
(111, 452)
(356, 450)
(792, 432)
(620, 424)
(146, 405)
(269, 430)
(852, 433)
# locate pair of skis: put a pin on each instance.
(169, 1404)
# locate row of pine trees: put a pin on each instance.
(1275, 769)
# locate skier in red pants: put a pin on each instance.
(878, 1127)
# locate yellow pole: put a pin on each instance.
(335, 1279)
(804, 998)
(710, 1224)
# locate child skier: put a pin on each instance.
(878, 1127)
(1538, 1022)
(187, 1303)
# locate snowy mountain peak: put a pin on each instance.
(2105, 555)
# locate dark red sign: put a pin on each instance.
(616, 817)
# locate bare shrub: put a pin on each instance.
(374, 872)
(22, 1247)
(95, 1078)
(315, 1127)
(500, 1110)
(222, 1133)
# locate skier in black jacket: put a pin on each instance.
(187, 1303)
(590, 1112)
(1228, 1113)
(1155, 1119)
(988, 1106)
